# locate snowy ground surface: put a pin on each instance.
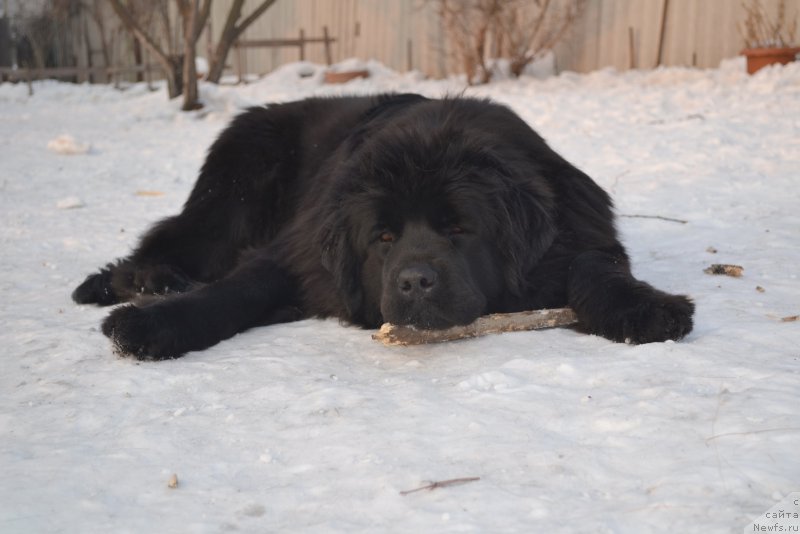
(314, 427)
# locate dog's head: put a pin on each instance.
(433, 220)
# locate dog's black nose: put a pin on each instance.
(416, 280)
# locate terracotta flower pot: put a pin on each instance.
(758, 58)
(345, 76)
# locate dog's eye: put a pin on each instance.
(455, 229)
(386, 237)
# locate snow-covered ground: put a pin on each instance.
(314, 427)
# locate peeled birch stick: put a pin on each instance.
(496, 323)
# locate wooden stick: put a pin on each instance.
(670, 219)
(441, 484)
(390, 334)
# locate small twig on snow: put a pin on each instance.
(616, 180)
(752, 432)
(670, 219)
(442, 484)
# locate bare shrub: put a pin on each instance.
(479, 31)
(530, 29)
(760, 31)
(41, 25)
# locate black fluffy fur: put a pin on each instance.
(388, 208)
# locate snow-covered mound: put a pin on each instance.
(313, 426)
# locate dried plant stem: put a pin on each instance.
(660, 217)
(759, 31)
(442, 484)
(519, 30)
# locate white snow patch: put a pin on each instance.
(68, 203)
(312, 426)
(201, 66)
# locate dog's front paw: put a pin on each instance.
(96, 289)
(141, 332)
(657, 319)
(160, 280)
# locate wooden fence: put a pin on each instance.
(79, 74)
(300, 43)
(407, 34)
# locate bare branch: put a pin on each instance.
(233, 15)
(163, 13)
(133, 26)
(670, 219)
(390, 334)
(520, 29)
(441, 484)
(189, 12)
(230, 33)
(202, 18)
(759, 31)
(257, 12)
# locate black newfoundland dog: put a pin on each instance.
(391, 208)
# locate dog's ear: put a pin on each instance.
(523, 209)
(529, 231)
(339, 258)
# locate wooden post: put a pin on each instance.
(84, 31)
(662, 32)
(148, 78)
(209, 41)
(302, 45)
(244, 66)
(409, 56)
(30, 82)
(631, 57)
(238, 61)
(326, 37)
(137, 58)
